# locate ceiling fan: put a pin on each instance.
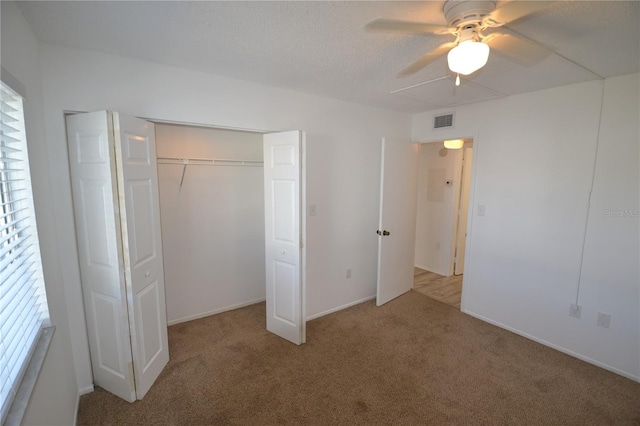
(474, 25)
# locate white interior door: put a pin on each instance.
(283, 237)
(397, 226)
(463, 210)
(93, 177)
(140, 221)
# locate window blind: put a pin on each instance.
(23, 306)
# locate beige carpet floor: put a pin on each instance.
(413, 361)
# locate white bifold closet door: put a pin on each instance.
(115, 192)
(284, 234)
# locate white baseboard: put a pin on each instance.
(339, 308)
(215, 311)
(430, 269)
(86, 390)
(422, 267)
(556, 347)
(81, 392)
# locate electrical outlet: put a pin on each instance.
(348, 273)
(312, 209)
(604, 320)
(481, 209)
(575, 310)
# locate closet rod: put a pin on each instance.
(209, 162)
(184, 162)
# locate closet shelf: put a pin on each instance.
(209, 162)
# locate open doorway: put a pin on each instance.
(444, 179)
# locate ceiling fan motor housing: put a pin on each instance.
(463, 13)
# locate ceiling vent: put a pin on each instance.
(441, 121)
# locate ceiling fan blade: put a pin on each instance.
(407, 27)
(518, 49)
(513, 11)
(426, 59)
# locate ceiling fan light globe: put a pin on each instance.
(468, 56)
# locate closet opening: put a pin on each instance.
(212, 209)
(158, 246)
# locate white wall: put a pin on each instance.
(533, 165)
(55, 395)
(212, 226)
(343, 157)
(436, 207)
(610, 275)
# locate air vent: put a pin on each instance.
(441, 121)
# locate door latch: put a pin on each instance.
(383, 233)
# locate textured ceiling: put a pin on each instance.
(321, 47)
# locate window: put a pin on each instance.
(23, 305)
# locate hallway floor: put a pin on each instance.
(444, 289)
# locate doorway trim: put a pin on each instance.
(474, 136)
(461, 198)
